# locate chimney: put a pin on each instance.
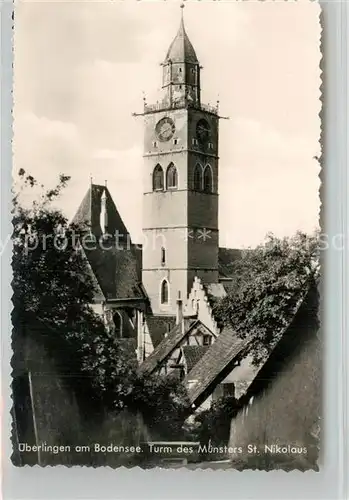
(179, 315)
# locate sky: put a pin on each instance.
(80, 72)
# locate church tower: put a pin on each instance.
(180, 200)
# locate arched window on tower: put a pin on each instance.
(171, 177)
(117, 320)
(164, 293)
(198, 177)
(158, 178)
(208, 179)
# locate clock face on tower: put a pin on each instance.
(202, 131)
(165, 129)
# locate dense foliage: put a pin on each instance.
(268, 283)
(52, 289)
(213, 425)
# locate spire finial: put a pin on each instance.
(182, 10)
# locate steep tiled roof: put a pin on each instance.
(115, 263)
(158, 326)
(89, 211)
(116, 271)
(211, 369)
(167, 346)
(181, 49)
(226, 257)
(192, 354)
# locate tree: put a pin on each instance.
(51, 287)
(268, 284)
(213, 424)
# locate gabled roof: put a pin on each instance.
(192, 354)
(158, 326)
(212, 368)
(181, 49)
(169, 344)
(89, 211)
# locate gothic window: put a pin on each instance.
(171, 177)
(164, 292)
(158, 178)
(198, 178)
(163, 256)
(117, 324)
(208, 179)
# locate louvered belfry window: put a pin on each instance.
(158, 178)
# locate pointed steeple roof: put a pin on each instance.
(89, 211)
(181, 49)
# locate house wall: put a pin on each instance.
(242, 376)
(51, 406)
(286, 413)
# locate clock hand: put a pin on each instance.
(167, 128)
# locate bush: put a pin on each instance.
(213, 425)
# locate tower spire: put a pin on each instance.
(181, 50)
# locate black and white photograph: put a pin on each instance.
(166, 235)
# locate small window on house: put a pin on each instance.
(210, 145)
(180, 87)
(155, 144)
(175, 141)
(228, 390)
(163, 256)
(207, 340)
(195, 141)
(164, 293)
(180, 70)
